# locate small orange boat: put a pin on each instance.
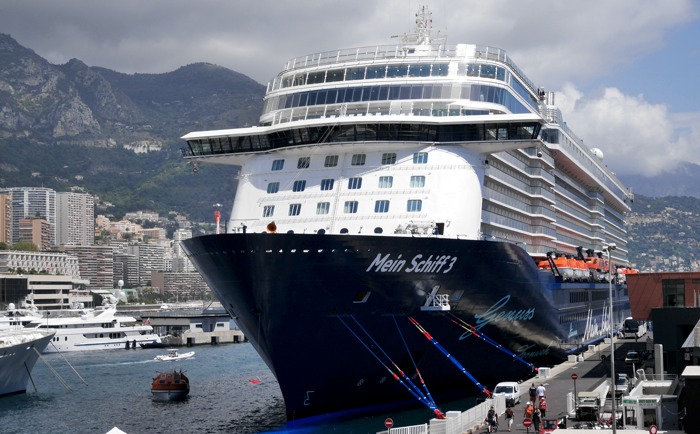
(170, 386)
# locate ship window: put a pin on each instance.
(331, 161)
(386, 181)
(376, 71)
(273, 187)
(327, 184)
(381, 206)
(323, 208)
(277, 164)
(397, 71)
(299, 185)
(344, 231)
(303, 162)
(488, 71)
(350, 207)
(417, 181)
(378, 230)
(420, 158)
(268, 210)
(389, 158)
(316, 77)
(358, 159)
(354, 183)
(355, 74)
(414, 205)
(335, 75)
(420, 70)
(294, 209)
(673, 292)
(440, 70)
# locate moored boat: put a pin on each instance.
(396, 193)
(170, 386)
(19, 351)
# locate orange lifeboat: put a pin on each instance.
(170, 386)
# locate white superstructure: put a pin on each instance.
(418, 139)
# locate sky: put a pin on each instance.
(625, 72)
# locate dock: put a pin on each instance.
(591, 371)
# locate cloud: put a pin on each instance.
(636, 137)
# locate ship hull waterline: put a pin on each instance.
(326, 312)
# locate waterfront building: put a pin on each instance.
(150, 257)
(126, 269)
(5, 218)
(44, 291)
(180, 262)
(35, 231)
(95, 264)
(33, 202)
(49, 262)
(181, 286)
(75, 222)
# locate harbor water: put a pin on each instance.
(232, 391)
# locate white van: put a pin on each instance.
(511, 390)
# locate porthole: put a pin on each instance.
(378, 230)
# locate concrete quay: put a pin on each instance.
(591, 371)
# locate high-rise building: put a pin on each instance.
(6, 218)
(30, 202)
(35, 231)
(96, 264)
(150, 259)
(75, 220)
(180, 262)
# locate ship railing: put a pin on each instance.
(456, 422)
(384, 52)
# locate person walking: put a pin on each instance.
(541, 392)
(492, 420)
(529, 410)
(533, 392)
(536, 419)
(543, 408)
(509, 417)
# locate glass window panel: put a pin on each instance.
(356, 74)
(414, 205)
(331, 161)
(273, 187)
(277, 165)
(386, 181)
(327, 184)
(420, 158)
(335, 75)
(303, 162)
(268, 211)
(381, 206)
(294, 209)
(354, 183)
(299, 185)
(389, 158)
(350, 207)
(376, 71)
(358, 159)
(417, 181)
(323, 207)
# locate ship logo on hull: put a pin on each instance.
(418, 264)
(497, 313)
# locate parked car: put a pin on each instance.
(622, 384)
(511, 390)
(632, 357)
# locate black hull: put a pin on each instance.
(306, 301)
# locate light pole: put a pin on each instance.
(610, 247)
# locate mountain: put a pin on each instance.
(115, 135)
(680, 181)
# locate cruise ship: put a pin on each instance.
(407, 225)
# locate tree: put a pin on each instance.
(25, 246)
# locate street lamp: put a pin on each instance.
(610, 247)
